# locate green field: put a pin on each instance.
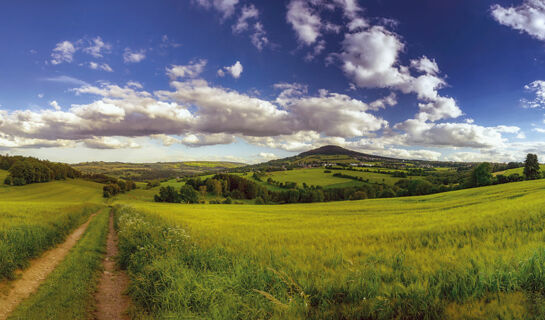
(35, 217)
(473, 253)
(317, 176)
(519, 171)
(440, 256)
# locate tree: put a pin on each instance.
(531, 167)
(188, 194)
(202, 191)
(481, 175)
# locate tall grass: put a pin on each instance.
(28, 229)
(407, 258)
(68, 291)
(35, 217)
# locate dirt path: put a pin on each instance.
(31, 278)
(112, 303)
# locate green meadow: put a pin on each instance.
(36, 217)
(446, 255)
(468, 254)
(519, 171)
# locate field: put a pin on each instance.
(317, 176)
(34, 218)
(519, 171)
(473, 253)
(150, 171)
(449, 255)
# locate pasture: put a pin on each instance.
(519, 171)
(448, 255)
(36, 217)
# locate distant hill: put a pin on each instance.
(158, 170)
(331, 150)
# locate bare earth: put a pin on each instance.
(30, 279)
(111, 302)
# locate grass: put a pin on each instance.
(519, 171)
(474, 251)
(36, 217)
(213, 164)
(3, 175)
(317, 176)
(71, 190)
(313, 176)
(68, 291)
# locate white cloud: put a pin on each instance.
(304, 21)
(63, 52)
(247, 13)
(192, 70)
(130, 56)
(67, 80)
(418, 132)
(199, 140)
(267, 155)
(97, 47)
(109, 143)
(538, 88)
(528, 17)
(259, 36)
(165, 139)
(101, 66)
(166, 42)
(426, 65)
(234, 70)
(225, 7)
(540, 130)
(55, 105)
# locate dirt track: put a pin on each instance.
(31, 278)
(111, 302)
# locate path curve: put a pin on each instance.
(111, 301)
(31, 278)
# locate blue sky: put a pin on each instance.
(249, 81)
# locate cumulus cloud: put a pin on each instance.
(235, 70)
(100, 66)
(130, 56)
(304, 20)
(419, 132)
(191, 70)
(63, 52)
(199, 140)
(267, 156)
(109, 143)
(97, 47)
(529, 17)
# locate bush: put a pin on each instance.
(8, 180)
(188, 194)
(227, 200)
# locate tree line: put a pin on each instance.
(27, 170)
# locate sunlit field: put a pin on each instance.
(36, 217)
(431, 257)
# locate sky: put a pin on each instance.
(255, 80)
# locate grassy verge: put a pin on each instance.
(68, 291)
(28, 229)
